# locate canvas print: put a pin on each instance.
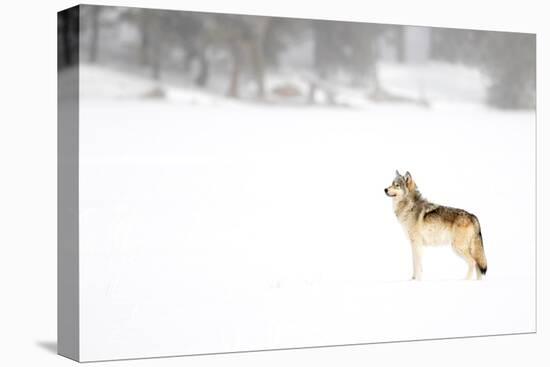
(242, 182)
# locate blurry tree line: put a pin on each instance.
(244, 49)
(68, 37)
(507, 58)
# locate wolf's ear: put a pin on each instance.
(397, 173)
(409, 181)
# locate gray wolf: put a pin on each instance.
(427, 223)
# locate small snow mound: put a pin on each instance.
(434, 82)
(191, 97)
(102, 83)
(155, 93)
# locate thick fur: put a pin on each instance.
(427, 223)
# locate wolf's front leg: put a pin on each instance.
(417, 260)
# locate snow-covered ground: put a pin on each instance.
(437, 82)
(209, 225)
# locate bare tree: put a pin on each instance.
(260, 26)
(68, 33)
(154, 40)
(194, 32)
(143, 19)
(94, 32)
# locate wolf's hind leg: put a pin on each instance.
(471, 268)
(465, 254)
(478, 272)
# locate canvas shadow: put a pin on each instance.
(50, 346)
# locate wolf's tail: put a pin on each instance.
(476, 248)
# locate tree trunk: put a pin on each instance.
(400, 44)
(155, 39)
(67, 35)
(156, 66)
(236, 53)
(190, 55)
(155, 59)
(258, 65)
(204, 72)
(145, 38)
(258, 60)
(312, 91)
(94, 42)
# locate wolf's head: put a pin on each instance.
(401, 186)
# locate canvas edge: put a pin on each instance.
(68, 313)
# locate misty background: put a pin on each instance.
(276, 60)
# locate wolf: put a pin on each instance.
(427, 223)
